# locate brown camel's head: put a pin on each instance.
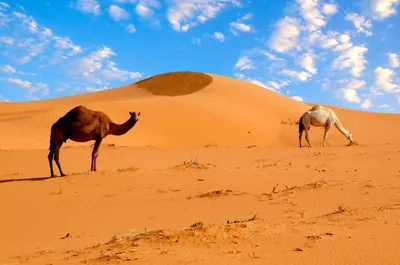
(134, 116)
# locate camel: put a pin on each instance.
(81, 124)
(320, 116)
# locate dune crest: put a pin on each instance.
(175, 83)
(190, 110)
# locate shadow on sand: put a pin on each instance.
(26, 179)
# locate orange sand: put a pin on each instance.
(207, 150)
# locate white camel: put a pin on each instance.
(320, 116)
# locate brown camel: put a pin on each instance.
(81, 124)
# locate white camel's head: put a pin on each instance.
(350, 137)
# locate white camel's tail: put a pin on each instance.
(301, 125)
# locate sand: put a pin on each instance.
(210, 174)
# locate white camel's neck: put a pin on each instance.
(341, 128)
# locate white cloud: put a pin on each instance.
(328, 40)
(92, 61)
(131, 28)
(240, 76)
(301, 76)
(185, 14)
(88, 6)
(329, 9)
(219, 36)
(352, 83)
(360, 23)
(253, 81)
(349, 95)
(271, 56)
(32, 47)
(278, 85)
(66, 44)
(394, 60)
(4, 6)
(382, 9)
(349, 88)
(117, 13)
(125, 1)
(309, 9)
(33, 26)
(96, 66)
(353, 58)
(40, 37)
(6, 40)
(383, 106)
(113, 73)
(307, 62)
(259, 83)
(384, 79)
(196, 41)
(247, 16)
(367, 103)
(297, 98)
(244, 63)
(144, 11)
(240, 26)
(28, 85)
(7, 69)
(4, 19)
(286, 35)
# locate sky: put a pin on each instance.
(338, 52)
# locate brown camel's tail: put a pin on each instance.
(301, 125)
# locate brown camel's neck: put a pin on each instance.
(120, 129)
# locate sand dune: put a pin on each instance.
(207, 155)
(195, 110)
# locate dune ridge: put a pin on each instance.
(183, 109)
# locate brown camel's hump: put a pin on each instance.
(78, 115)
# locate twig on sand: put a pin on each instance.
(243, 221)
(274, 188)
(66, 236)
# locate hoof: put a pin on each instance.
(63, 175)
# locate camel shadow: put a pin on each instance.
(25, 179)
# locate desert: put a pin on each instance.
(210, 174)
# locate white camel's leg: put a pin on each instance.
(328, 127)
(307, 138)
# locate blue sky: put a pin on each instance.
(343, 52)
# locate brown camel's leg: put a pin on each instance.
(50, 158)
(57, 159)
(95, 153)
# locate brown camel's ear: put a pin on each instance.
(138, 113)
